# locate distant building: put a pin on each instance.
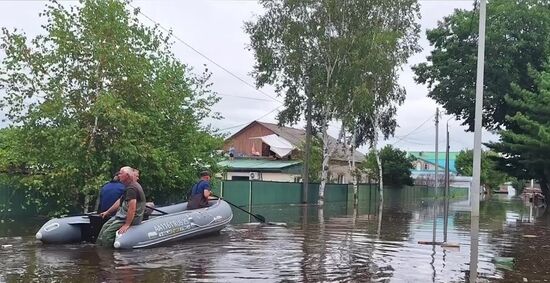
(425, 164)
(267, 148)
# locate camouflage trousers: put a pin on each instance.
(107, 234)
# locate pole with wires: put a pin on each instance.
(436, 163)
(446, 192)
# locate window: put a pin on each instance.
(297, 179)
(425, 166)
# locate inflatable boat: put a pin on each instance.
(177, 224)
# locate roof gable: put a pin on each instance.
(297, 136)
(294, 136)
(246, 128)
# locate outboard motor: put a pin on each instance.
(91, 231)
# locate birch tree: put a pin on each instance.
(317, 49)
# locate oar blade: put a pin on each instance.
(259, 217)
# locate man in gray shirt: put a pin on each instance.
(129, 209)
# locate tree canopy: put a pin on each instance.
(525, 146)
(342, 56)
(516, 40)
(396, 166)
(96, 91)
(491, 176)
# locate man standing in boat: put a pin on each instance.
(129, 210)
(200, 193)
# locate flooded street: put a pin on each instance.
(338, 243)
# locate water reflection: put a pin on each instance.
(474, 248)
(373, 241)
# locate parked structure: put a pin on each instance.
(267, 145)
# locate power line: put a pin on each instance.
(240, 125)
(180, 40)
(408, 134)
(204, 56)
(226, 95)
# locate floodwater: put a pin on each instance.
(338, 243)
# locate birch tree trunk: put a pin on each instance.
(328, 149)
(351, 163)
(377, 155)
(324, 166)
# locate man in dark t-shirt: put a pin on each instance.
(200, 192)
(129, 210)
(110, 193)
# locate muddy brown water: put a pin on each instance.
(335, 244)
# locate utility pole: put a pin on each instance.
(307, 153)
(436, 166)
(436, 147)
(474, 237)
(446, 192)
(478, 111)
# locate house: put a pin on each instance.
(273, 145)
(425, 163)
(263, 169)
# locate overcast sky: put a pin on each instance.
(215, 29)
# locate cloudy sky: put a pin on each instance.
(210, 33)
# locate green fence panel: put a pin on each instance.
(313, 193)
(264, 192)
(363, 191)
(336, 192)
(3, 200)
(237, 192)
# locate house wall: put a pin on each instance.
(339, 172)
(279, 177)
(243, 143)
(264, 176)
(422, 165)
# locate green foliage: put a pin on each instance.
(525, 145)
(518, 184)
(517, 39)
(491, 176)
(339, 59)
(99, 90)
(315, 161)
(337, 53)
(396, 166)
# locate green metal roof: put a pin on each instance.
(258, 164)
(429, 156)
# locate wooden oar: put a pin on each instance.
(257, 216)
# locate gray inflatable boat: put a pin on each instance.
(177, 224)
